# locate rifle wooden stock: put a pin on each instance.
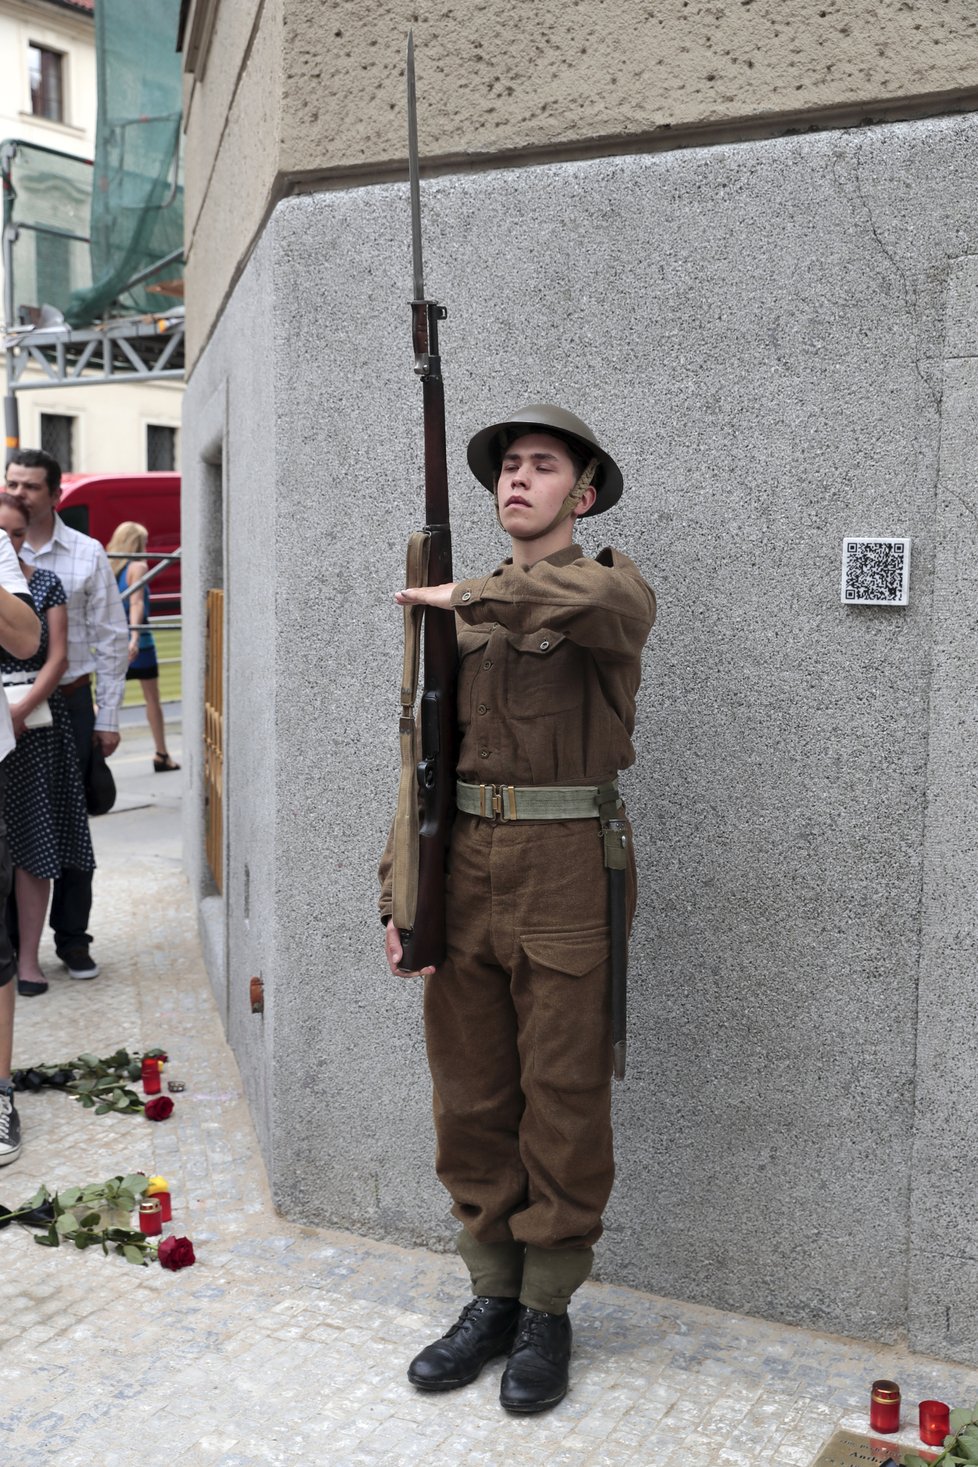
(424, 943)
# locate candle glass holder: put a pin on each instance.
(151, 1217)
(935, 1422)
(884, 1407)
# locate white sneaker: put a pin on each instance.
(79, 962)
(10, 1143)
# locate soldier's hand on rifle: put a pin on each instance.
(440, 596)
(392, 946)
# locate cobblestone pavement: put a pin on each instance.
(286, 1344)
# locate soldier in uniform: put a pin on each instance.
(517, 1019)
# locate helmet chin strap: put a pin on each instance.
(574, 497)
(570, 503)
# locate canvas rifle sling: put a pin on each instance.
(405, 870)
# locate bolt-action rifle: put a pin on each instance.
(426, 798)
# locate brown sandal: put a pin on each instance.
(162, 763)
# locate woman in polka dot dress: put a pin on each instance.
(47, 821)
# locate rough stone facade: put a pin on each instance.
(293, 94)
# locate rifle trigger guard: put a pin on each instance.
(427, 772)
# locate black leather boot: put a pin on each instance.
(484, 1328)
(536, 1375)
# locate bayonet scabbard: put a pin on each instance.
(617, 839)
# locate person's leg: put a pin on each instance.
(13, 923)
(154, 713)
(32, 905)
(471, 1038)
(561, 992)
(71, 902)
(7, 999)
(10, 1143)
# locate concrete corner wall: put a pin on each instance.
(943, 1282)
(777, 339)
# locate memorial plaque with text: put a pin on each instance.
(849, 1449)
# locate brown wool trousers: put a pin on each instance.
(518, 1029)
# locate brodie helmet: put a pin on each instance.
(487, 448)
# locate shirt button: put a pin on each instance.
(483, 708)
(487, 664)
(544, 646)
(466, 596)
(483, 753)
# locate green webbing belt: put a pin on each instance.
(538, 802)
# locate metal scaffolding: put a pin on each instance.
(132, 348)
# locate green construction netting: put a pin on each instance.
(137, 192)
(47, 204)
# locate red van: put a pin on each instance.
(97, 503)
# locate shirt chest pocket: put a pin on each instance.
(472, 643)
(543, 675)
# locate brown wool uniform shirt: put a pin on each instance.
(549, 668)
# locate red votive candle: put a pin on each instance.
(884, 1406)
(150, 1217)
(151, 1077)
(935, 1422)
(159, 1187)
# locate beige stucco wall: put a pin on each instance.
(299, 93)
(109, 421)
(22, 24)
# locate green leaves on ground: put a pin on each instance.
(88, 1215)
(97, 1084)
(80, 1215)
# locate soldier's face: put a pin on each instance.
(536, 475)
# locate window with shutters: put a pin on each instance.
(46, 69)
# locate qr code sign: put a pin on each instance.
(876, 571)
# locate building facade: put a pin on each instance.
(743, 245)
(48, 98)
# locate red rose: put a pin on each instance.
(158, 1109)
(176, 1253)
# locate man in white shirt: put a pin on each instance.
(20, 634)
(98, 642)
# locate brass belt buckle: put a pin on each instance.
(505, 792)
(496, 809)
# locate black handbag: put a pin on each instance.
(99, 784)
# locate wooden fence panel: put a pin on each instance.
(214, 737)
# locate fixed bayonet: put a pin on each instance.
(414, 171)
(427, 314)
